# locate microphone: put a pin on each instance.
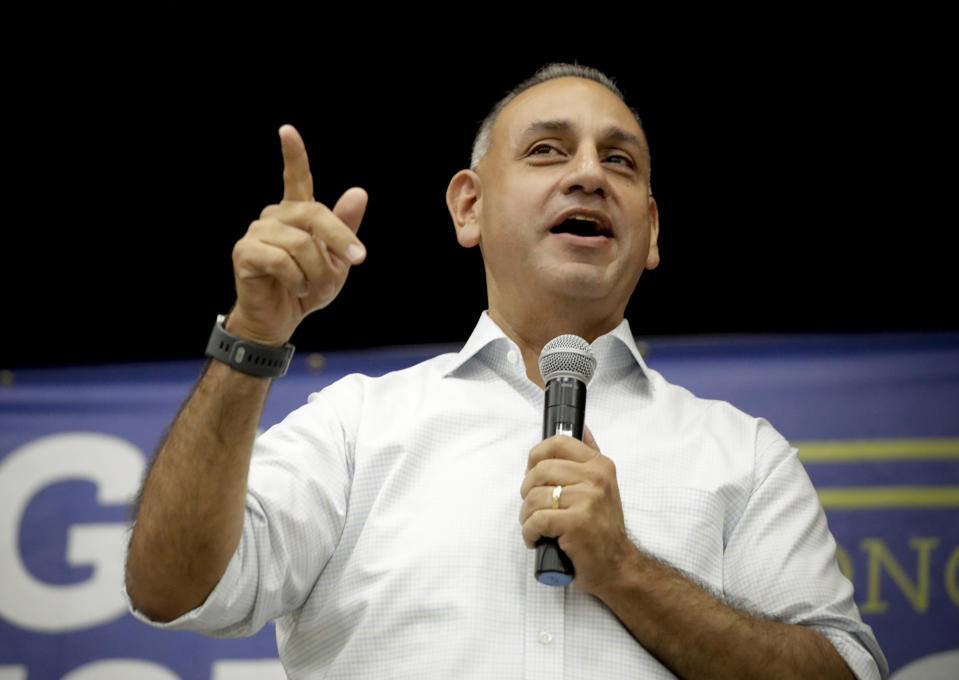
(567, 365)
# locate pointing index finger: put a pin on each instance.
(297, 180)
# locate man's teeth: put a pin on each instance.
(580, 225)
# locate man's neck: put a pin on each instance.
(532, 331)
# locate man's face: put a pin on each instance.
(564, 206)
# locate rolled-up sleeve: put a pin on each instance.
(297, 497)
(780, 558)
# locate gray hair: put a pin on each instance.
(484, 137)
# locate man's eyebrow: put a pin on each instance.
(613, 133)
(621, 136)
(555, 125)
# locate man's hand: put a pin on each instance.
(589, 521)
(295, 258)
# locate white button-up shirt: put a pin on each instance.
(382, 524)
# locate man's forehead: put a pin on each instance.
(565, 102)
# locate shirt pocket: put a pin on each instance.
(681, 526)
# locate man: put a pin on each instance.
(376, 523)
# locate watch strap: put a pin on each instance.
(264, 361)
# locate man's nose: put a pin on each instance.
(587, 173)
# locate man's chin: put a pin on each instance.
(583, 283)
(591, 283)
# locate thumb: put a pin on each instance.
(351, 207)
(589, 440)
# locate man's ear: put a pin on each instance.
(464, 200)
(652, 257)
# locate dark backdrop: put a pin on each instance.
(801, 181)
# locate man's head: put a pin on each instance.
(558, 201)
(484, 136)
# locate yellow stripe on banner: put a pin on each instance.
(928, 448)
(874, 497)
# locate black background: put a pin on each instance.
(802, 173)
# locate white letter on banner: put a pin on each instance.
(252, 669)
(121, 669)
(115, 466)
(13, 673)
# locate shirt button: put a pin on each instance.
(545, 638)
(512, 356)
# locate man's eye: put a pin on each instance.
(620, 159)
(542, 150)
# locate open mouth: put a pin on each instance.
(581, 226)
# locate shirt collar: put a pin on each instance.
(488, 332)
(485, 332)
(624, 334)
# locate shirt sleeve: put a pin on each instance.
(780, 559)
(296, 503)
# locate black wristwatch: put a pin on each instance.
(245, 356)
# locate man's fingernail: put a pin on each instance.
(355, 253)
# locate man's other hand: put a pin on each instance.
(294, 259)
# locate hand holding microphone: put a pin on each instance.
(584, 525)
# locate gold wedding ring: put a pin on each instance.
(557, 492)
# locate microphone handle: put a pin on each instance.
(564, 412)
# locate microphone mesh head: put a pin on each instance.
(569, 356)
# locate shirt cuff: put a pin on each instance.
(865, 662)
(216, 616)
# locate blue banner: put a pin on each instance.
(875, 417)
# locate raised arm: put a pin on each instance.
(292, 261)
